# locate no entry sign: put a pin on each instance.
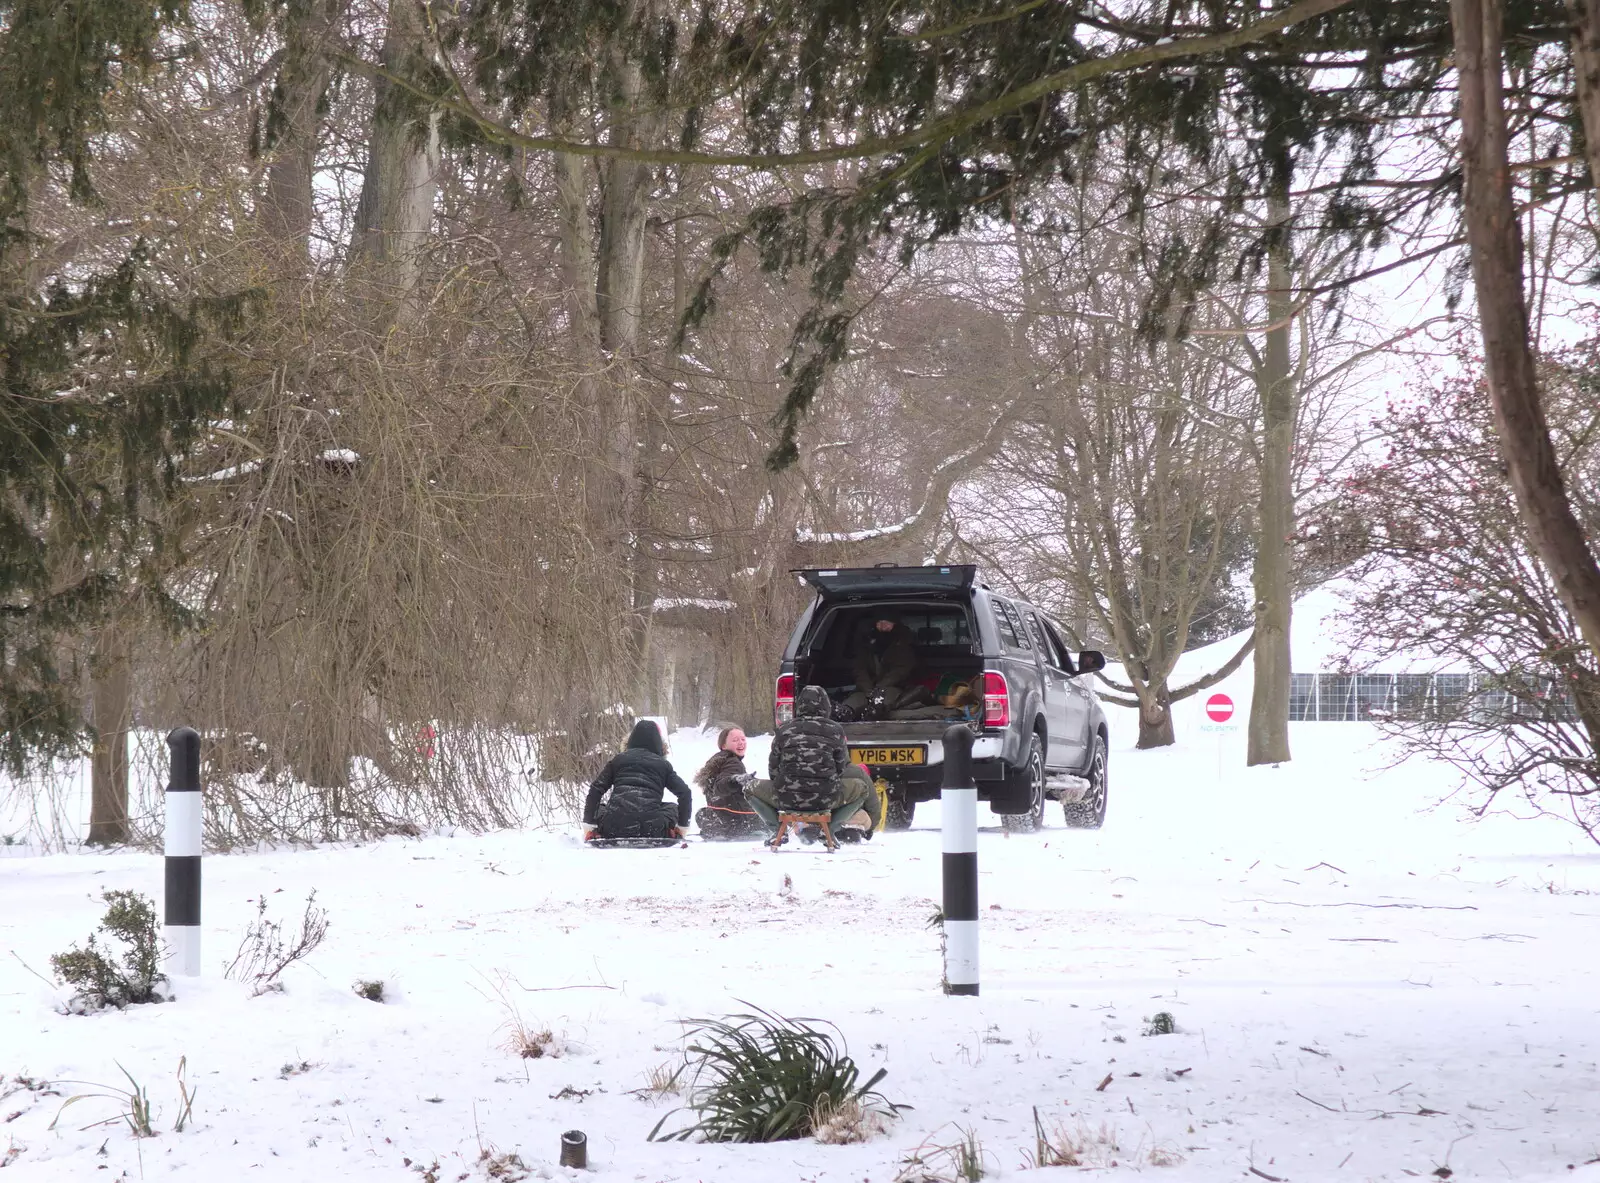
(1219, 708)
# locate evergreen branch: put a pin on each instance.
(936, 131)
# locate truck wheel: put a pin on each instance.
(1090, 813)
(899, 814)
(1031, 817)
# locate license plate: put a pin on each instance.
(912, 754)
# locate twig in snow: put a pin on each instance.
(547, 989)
(1264, 1175)
(1365, 940)
(1317, 1103)
(1316, 1052)
(1197, 920)
(1101, 1087)
(1330, 867)
(33, 971)
(1359, 904)
(1347, 1158)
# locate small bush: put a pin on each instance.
(130, 919)
(765, 1078)
(1161, 1023)
(370, 989)
(264, 953)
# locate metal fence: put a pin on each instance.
(1353, 698)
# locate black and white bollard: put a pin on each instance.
(183, 854)
(958, 810)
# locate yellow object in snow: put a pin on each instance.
(883, 804)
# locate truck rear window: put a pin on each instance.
(930, 625)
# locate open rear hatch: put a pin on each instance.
(845, 583)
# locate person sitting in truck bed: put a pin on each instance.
(886, 656)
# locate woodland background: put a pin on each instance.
(382, 367)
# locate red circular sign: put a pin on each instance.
(1219, 708)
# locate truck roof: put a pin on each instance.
(853, 582)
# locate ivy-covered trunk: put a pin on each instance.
(111, 696)
(1155, 716)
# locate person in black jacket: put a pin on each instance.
(625, 800)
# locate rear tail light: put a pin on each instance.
(996, 700)
(783, 708)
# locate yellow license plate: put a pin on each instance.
(916, 754)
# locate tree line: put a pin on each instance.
(381, 367)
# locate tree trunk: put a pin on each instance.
(286, 207)
(395, 211)
(112, 704)
(1586, 66)
(1155, 717)
(1268, 739)
(1494, 240)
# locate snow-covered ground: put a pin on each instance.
(1363, 989)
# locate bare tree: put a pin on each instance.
(1495, 238)
(1133, 461)
(1450, 581)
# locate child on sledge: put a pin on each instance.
(726, 813)
(625, 800)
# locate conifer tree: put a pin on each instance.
(102, 383)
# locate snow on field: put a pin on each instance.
(1362, 990)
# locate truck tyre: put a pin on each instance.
(899, 813)
(1090, 813)
(1028, 801)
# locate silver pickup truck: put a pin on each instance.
(1039, 731)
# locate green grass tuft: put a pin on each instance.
(765, 1078)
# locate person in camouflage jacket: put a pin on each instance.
(807, 763)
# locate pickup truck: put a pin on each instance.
(1039, 732)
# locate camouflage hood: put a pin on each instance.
(813, 704)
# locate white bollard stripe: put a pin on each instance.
(958, 820)
(183, 949)
(961, 952)
(183, 824)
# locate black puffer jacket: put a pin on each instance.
(635, 779)
(717, 781)
(808, 754)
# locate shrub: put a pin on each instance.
(130, 919)
(370, 989)
(765, 1078)
(1161, 1023)
(264, 953)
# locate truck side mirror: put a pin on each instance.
(1091, 660)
